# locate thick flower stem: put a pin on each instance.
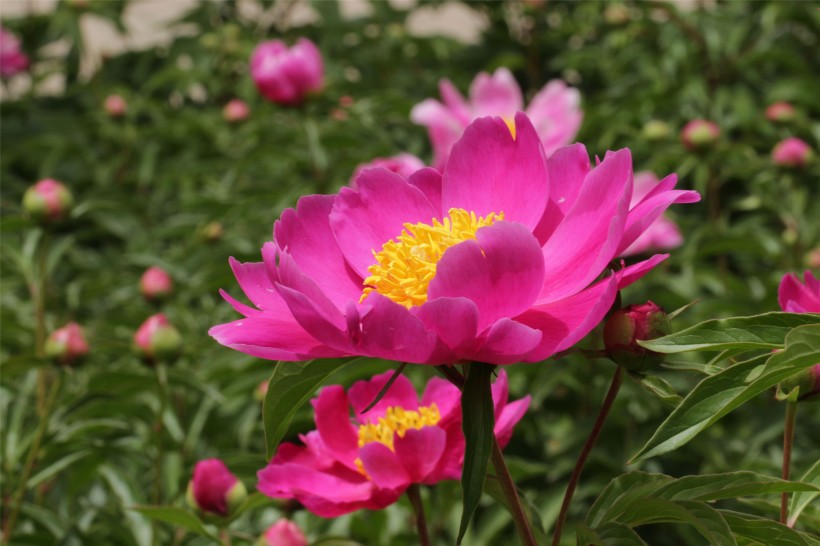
(30, 459)
(614, 387)
(162, 391)
(522, 524)
(788, 440)
(413, 493)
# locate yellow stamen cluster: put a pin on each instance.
(405, 266)
(396, 420)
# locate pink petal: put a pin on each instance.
(588, 237)
(384, 467)
(556, 114)
(507, 342)
(501, 272)
(390, 331)
(332, 415)
(272, 339)
(454, 320)
(567, 168)
(445, 396)
(661, 235)
(452, 460)
(255, 283)
(444, 127)
(490, 171)
(419, 451)
(362, 393)
(496, 95)
(316, 322)
(364, 220)
(510, 415)
(455, 102)
(501, 392)
(238, 306)
(428, 180)
(797, 297)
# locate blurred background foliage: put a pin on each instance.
(173, 184)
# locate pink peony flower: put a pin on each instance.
(494, 260)
(345, 466)
(780, 111)
(115, 106)
(156, 283)
(554, 111)
(791, 152)
(403, 164)
(235, 111)
(48, 201)
(157, 338)
(699, 134)
(285, 75)
(213, 489)
(12, 60)
(67, 345)
(283, 533)
(797, 297)
(662, 233)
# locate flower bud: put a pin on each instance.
(48, 201)
(781, 112)
(261, 390)
(156, 284)
(699, 134)
(67, 345)
(212, 232)
(286, 75)
(12, 60)
(214, 490)
(115, 106)
(792, 152)
(808, 381)
(813, 258)
(235, 111)
(625, 327)
(283, 533)
(157, 339)
(655, 130)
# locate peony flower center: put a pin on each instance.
(396, 420)
(405, 265)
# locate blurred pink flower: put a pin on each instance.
(494, 260)
(156, 283)
(554, 111)
(344, 466)
(214, 489)
(157, 338)
(115, 106)
(286, 76)
(48, 200)
(780, 111)
(236, 110)
(699, 134)
(662, 234)
(797, 297)
(67, 345)
(12, 60)
(283, 533)
(791, 152)
(403, 164)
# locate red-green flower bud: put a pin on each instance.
(699, 134)
(655, 130)
(214, 490)
(808, 381)
(212, 232)
(625, 327)
(67, 345)
(261, 390)
(157, 339)
(781, 112)
(235, 111)
(48, 201)
(156, 284)
(283, 533)
(115, 106)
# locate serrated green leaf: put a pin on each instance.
(478, 421)
(767, 331)
(176, 516)
(764, 531)
(291, 385)
(717, 395)
(801, 500)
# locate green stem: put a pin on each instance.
(225, 536)
(788, 440)
(614, 387)
(414, 495)
(162, 393)
(38, 290)
(31, 458)
(522, 524)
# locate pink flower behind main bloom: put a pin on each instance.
(554, 111)
(369, 462)
(286, 75)
(494, 260)
(404, 164)
(662, 234)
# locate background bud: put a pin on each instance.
(115, 106)
(807, 380)
(699, 134)
(157, 339)
(67, 345)
(235, 111)
(287, 75)
(625, 327)
(214, 490)
(283, 533)
(156, 284)
(48, 201)
(781, 112)
(655, 130)
(791, 152)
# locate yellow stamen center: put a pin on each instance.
(396, 420)
(405, 265)
(510, 121)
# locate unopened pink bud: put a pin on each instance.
(346, 101)
(287, 75)
(780, 112)
(12, 59)
(157, 339)
(156, 284)
(67, 345)
(792, 152)
(235, 111)
(261, 390)
(625, 327)
(214, 490)
(115, 106)
(48, 201)
(699, 134)
(283, 533)
(808, 381)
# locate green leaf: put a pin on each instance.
(761, 530)
(176, 516)
(802, 499)
(659, 388)
(705, 519)
(478, 422)
(609, 534)
(766, 331)
(723, 392)
(291, 385)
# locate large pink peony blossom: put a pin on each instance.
(799, 297)
(12, 60)
(369, 462)
(554, 111)
(661, 234)
(497, 260)
(286, 75)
